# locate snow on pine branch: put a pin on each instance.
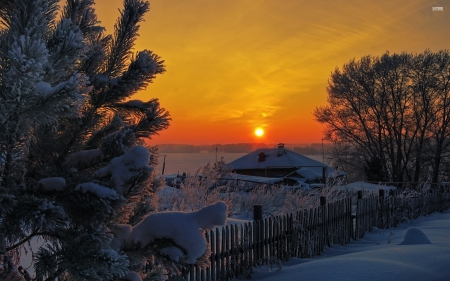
(46, 90)
(52, 184)
(100, 191)
(26, 85)
(46, 216)
(82, 13)
(84, 158)
(27, 57)
(66, 50)
(125, 167)
(182, 227)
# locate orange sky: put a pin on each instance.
(234, 65)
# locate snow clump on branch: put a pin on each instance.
(100, 191)
(182, 227)
(125, 167)
(52, 184)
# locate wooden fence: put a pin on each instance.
(388, 211)
(236, 249)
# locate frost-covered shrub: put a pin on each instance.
(207, 186)
(196, 191)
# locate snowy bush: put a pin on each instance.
(206, 186)
(196, 191)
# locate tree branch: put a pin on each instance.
(55, 275)
(28, 238)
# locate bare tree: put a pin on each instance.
(393, 110)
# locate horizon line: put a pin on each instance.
(254, 143)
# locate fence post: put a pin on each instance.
(257, 212)
(382, 218)
(324, 218)
(356, 219)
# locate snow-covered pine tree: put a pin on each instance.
(74, 168)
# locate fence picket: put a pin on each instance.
(213, 256)
(223, 269)
(218, 255)
(234, 248)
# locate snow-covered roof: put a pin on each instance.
(313, 173)
(310, 173)
(255, 179)
(305, 165)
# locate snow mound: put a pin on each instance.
(415, 236)
(183, 228)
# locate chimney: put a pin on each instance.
(261, 157)
(280, 149)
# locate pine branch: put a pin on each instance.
(126, 29)
(6, 7)
(114, 124)
(144, 118)
(82, 13)
(29, 237)
(26, 239)
(6, 179)
(155, 120)
(31, 17)
(55, 275)
(141, 71)
(95, 54)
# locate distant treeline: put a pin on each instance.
(189, 148)
(311, 149)
(315, 148)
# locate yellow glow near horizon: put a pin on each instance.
(232, 65)
(259, 132)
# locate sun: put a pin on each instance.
(259, 132)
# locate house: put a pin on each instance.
(283, 163)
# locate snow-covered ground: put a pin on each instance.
(378, 256)
(381, 255)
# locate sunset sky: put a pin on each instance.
(237, 65)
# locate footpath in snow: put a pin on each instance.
(382, 255)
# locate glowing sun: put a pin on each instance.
(259, 132)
